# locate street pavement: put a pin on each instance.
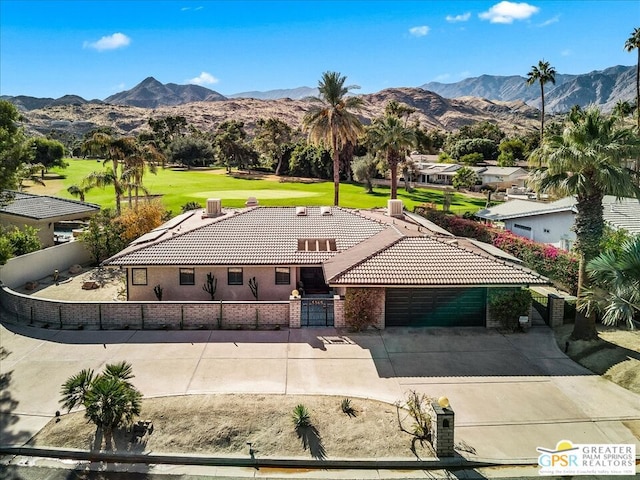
(510, 393)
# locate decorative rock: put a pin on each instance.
(90, 285)
(75, 269)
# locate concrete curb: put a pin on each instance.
(452, 463)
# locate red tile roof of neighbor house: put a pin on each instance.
(371, 247)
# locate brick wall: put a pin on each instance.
(143, 315)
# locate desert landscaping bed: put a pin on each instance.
(222, 425)
(615, 354)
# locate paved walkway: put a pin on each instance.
(510, 393)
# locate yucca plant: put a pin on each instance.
(347, 408)
(301, 417)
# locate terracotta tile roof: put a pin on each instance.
(254, 236)
(41, 207)
(429, 261)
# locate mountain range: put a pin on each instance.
(602, 88)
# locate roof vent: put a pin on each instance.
(214, 207)
(325, 210)
(301, 211)
(251, 202)
(394, 208)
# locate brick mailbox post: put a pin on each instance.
(442, 423)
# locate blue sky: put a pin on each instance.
(97, 48)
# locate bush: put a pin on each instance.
(359, 308)
(507, 304)
(459, 226)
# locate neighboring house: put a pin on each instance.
(44, 213)
(503, 177)
(552, 222)
(443, 173)
(417, 274)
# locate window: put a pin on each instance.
(316, 245)
(283, 276)
(187, 276)
(522, 227)
(234, 276)
(139, 276)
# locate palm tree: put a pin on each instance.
(588, 161)
(110, 400)
(390, 137)
(633, 43)
(615, 278)
(542, 73)
(80, 190)
(332, 123)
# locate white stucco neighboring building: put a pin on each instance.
(552, 222)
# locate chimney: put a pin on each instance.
(214, 207)
(394, 208)
(325, 211)
(301, 211)
(251, 202)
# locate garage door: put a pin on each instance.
(431, 307)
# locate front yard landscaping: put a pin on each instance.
(222, 425)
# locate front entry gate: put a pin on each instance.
(316, 312)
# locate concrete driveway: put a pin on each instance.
(510, 393)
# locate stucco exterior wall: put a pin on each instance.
(36, 265)
(552, 228)
(169, 279)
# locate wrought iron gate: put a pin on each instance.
(316, 312)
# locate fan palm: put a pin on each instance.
(542, 73)
(616, 284)
(332, 123)
(109, 399)
(633, 43)
(389, 136)
(588, 162)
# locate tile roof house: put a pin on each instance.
(443, 173)
(551, 222)
(44, 213)
(417, 274)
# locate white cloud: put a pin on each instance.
(551, 21)
(204, 79)
(420, 31)
(507, 12)
(110, 42)
(458, 18)
(566, 52)
(442, 77)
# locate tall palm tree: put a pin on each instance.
(332, 123)
(588, 161)
(391, 138)
(616, 284)
(542, 73)
(633, 43)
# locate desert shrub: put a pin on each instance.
(360, 308)
(301, 416)
(507, 304)
(415, 409)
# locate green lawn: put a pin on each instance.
(180, 187)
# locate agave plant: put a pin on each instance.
(301, 417)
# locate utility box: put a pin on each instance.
(442, 423)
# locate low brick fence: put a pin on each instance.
(44, 313)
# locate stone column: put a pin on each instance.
(556, 310)
(338, 312)
(442, 423)
(295, 307)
